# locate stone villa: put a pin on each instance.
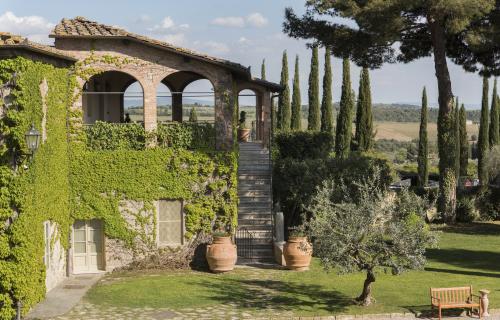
(123, 58)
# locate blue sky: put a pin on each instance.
(241, 31)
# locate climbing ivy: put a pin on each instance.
(37, 191)
(69, 180)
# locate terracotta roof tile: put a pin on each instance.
(82, 27)
(8, 40)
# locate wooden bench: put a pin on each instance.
(450, 298)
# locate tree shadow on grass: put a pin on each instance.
(277, 295)
(476, 228)
(468, 259)
(426, 312)
(465, 272)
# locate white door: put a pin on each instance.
(87, 246)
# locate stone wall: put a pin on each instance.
(56, 271)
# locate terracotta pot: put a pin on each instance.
(243, 135)
(221, 255)
(298, 253)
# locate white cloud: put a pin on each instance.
(233, 22)
(143, 18)
(212, 47)
(178, 39)
(257, 20)
(168, 25)
(35, 28)
(243, 40)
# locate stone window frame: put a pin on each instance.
(47, 236)
(183, 225)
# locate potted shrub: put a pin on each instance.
(297, 251)
(243, 130)
(221, 254)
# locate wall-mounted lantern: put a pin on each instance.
(32, 140)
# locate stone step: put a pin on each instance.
(254, 193)
(253, 162)
(254, 176)
(257, 228)
(264, 208)
(255, 202)
(243, 223)
(253, 214)
(245, 186)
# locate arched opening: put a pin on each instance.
(163, 103)
(184, 93)
(199, 97)
(113, 96)
(250, 102)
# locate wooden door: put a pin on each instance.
(88, 246)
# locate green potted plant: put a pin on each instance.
(243, 130)
(297, 250)
(221, 254)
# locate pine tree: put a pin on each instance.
(494, 130)
(193, 116)
(423, 151)
(456, 117)
(364, 118)
(314, 122)
(284, 112)
(344, 118)
(296, 99)
(464, 143)
(327, 101)
(482, 143)
(263, 70)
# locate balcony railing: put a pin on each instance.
(132, 136)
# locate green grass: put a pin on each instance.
(467, 255)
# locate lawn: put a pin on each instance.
(467, 255)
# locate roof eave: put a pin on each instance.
(39, 50)
(240, 70)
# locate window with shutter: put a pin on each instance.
(170, 223)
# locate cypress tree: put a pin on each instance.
(263, 70)
(296, 100)
(344, 118)
(423, 151)
(284, 112)
(464, 143)
(364, 118)
(327, 101)
(494, 130)
(483, 139)
(314, 113)
(193, 116)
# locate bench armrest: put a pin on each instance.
(434, 298)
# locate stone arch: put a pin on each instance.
(103, 96)
(255, 117)
(177, 82)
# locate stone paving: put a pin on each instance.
(85, 310)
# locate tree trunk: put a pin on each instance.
(446, 135)
(365, 298)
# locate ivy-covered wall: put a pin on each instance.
(69, 180)
(37, 191)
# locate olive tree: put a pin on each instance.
(367, 229)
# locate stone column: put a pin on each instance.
(150, 115)
(177, 107)
(266, 118)
(279, 241)
(485, 302)
(224, 109)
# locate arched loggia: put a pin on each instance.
(113, 96)
(182, 91)
(250, 102)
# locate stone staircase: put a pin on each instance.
(255, 228)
